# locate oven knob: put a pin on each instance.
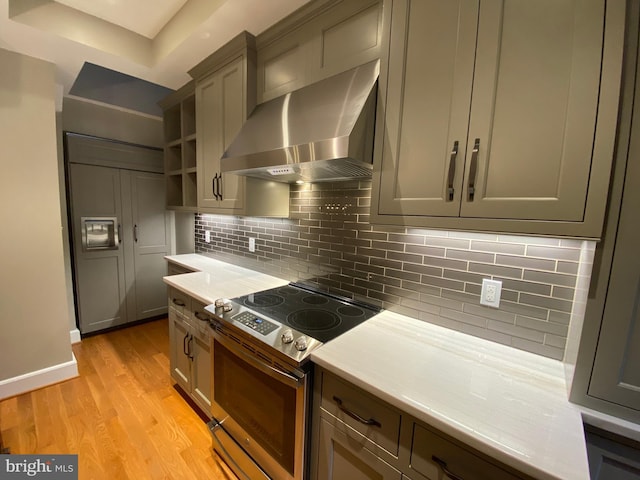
(287, 336)
(227, 307)
(219, 302)
(301, 343)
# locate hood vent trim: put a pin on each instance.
(319, 133)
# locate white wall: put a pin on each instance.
(34, 312)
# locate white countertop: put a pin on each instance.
(509, 404)
(216, 279)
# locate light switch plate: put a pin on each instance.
(490, 294)
(207, 236)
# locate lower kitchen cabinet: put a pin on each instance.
(610, 460)
(343, 455)
(358, 436)
(190, 351)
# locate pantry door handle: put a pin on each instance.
(443, 465)
(135, 233)
(220, 186)
(214, 185)
(372, 421)
(119, 234)
(473, 169)
(452, 171)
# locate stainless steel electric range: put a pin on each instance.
(261, 376)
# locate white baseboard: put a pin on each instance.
(75, 336)
(38, 379)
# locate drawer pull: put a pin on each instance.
(178, 302)
(201, 316)
(443, 465)
(373, 422)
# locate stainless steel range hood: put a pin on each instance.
(322, 132)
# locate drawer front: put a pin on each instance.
(374, 419)
(200, 320)
(461, 462)
(180, 302)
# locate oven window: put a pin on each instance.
(260, 404)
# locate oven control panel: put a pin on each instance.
(260, 325)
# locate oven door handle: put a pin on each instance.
(275, 373)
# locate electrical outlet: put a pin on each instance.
(252, 244)
(207, 236)
(490, 294)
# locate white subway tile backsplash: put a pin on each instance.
(432, 275)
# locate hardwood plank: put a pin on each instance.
(122, 415)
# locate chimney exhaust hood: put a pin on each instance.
(322, 132)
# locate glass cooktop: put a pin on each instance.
(317, 314)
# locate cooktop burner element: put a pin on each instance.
(262, 299)
(292, 319)
(316, 320)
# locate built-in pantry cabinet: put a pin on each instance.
(498, 115)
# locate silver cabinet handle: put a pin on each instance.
(214, 185)
(452, 171)
(178, 302)
(135, 233)
(443, 465)
(189, 345)
(119, 234)
(372, 421)
(473, 168)
(220, 186)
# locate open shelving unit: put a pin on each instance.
(180, 148)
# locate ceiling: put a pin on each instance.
(157, 41)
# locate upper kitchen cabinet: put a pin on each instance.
(224, 96)
(316, 42)
(606, 375)
(179, 116)
(498, 115)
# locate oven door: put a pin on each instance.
(260, 406)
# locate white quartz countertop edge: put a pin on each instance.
(508, 404)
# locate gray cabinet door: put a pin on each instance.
(341, 456)
(533, 112)
(490, 113)
(616, 371)
(179, 362)
(201, 370)
(609, 460)
(151, 242)
(220, 112)
(100, 274)
(430, 74)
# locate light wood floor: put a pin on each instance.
(122, 415)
